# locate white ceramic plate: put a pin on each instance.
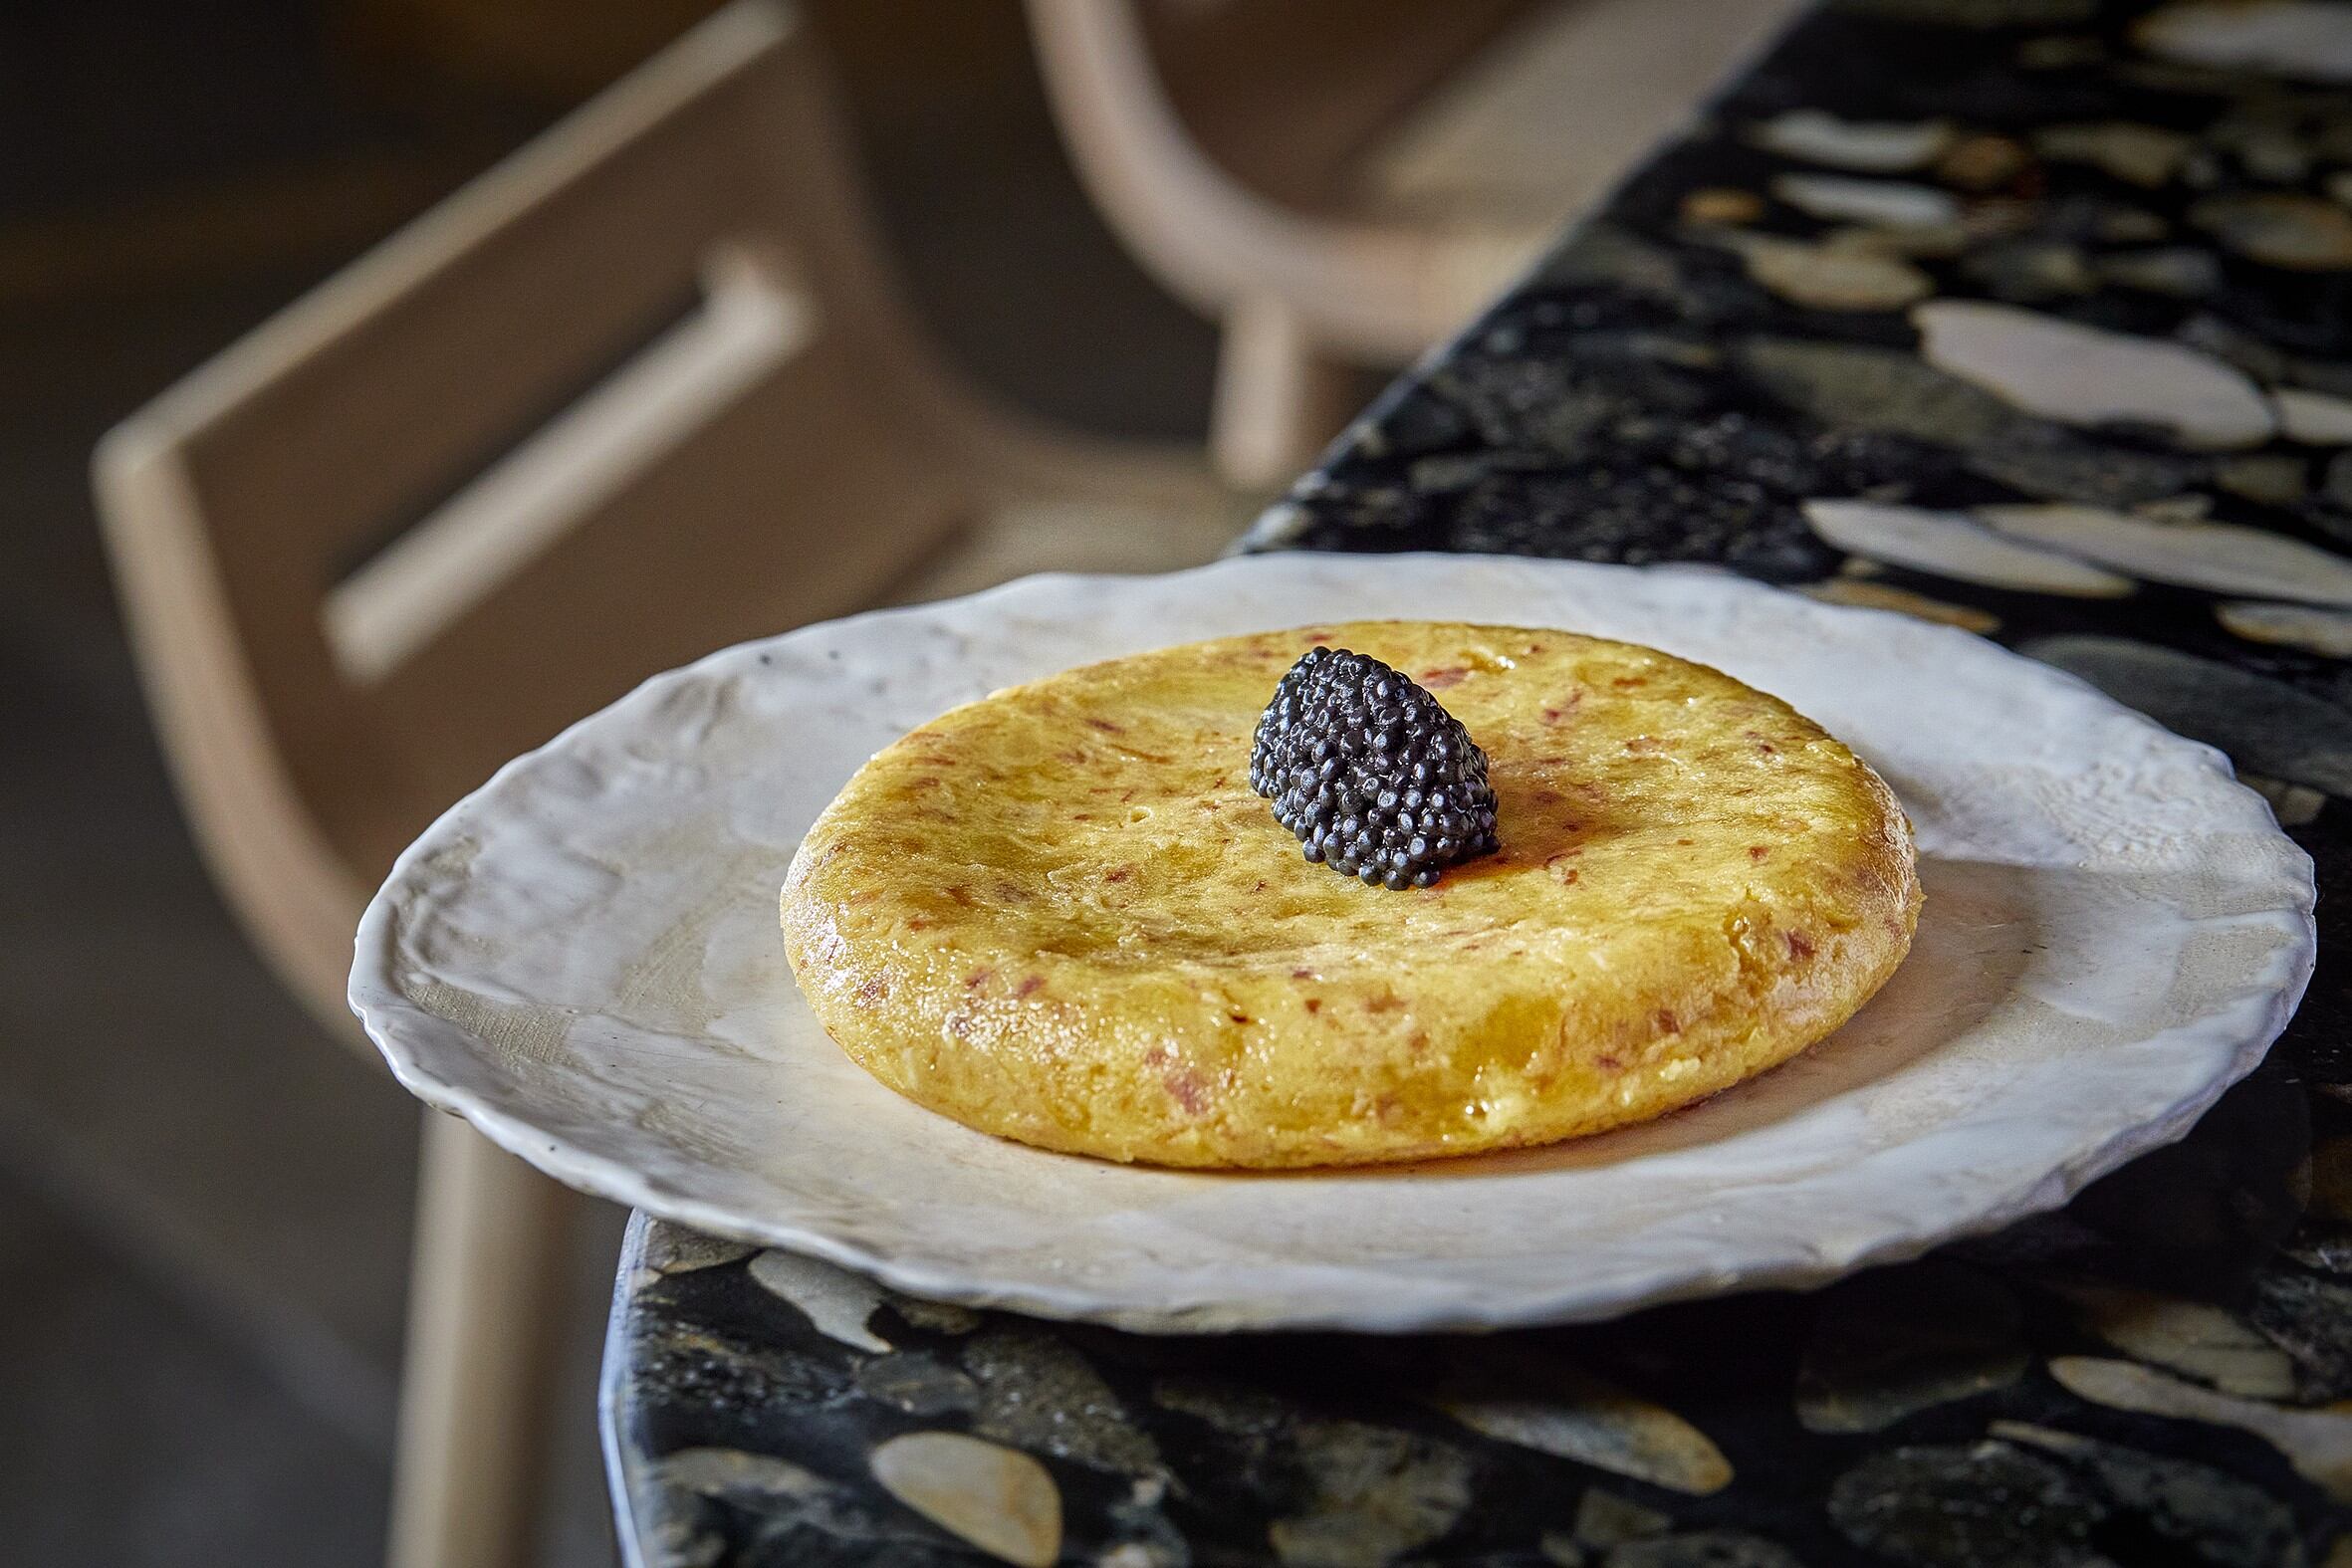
(583, 958)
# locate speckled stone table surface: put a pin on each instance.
(2029, 315)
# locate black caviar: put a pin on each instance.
(1369, 770)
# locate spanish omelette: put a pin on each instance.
(1060, 913)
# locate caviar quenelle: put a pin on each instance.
(1377, 780)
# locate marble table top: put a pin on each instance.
(2034, 316)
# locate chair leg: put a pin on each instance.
(484, 1314)
(1278, 400)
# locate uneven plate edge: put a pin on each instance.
(389, 1019)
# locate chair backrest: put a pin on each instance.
(1208, 140)
(635, 393)
(1284, 95)
(1377, 168)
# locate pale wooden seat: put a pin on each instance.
(643, 391)
(1344, 182)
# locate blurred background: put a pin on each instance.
(205, 1189)
(205, 1198)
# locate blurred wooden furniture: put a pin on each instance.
(1344, 182)
(641, 392)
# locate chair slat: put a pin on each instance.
(631, 395)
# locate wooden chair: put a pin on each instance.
(642, 390)
(1346, 183)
